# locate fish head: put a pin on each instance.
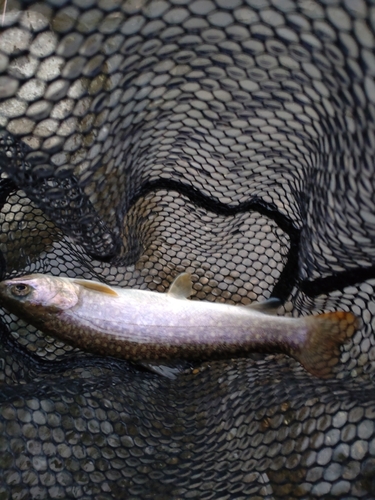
(36, 294)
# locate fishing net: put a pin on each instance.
(230, 139)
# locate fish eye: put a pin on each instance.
(20, 290)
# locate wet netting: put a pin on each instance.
(230, 139)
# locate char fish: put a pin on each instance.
(142, 325)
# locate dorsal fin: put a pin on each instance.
(182, 287)
(96, 286)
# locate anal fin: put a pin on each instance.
(169, 369)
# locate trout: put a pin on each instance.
(142, 325)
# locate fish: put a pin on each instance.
(141, 325)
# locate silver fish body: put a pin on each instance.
(144, 325)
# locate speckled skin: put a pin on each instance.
(143, 325)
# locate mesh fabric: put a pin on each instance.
(230, 139)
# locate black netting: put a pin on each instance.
(230, 139)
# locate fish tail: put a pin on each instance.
(326, 332)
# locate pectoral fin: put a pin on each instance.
(97, 287)
(182, 287)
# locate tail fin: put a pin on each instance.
(326, 333)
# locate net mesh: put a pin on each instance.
(230, 139)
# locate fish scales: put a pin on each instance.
(143, 325)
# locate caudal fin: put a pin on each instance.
(327, 332)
